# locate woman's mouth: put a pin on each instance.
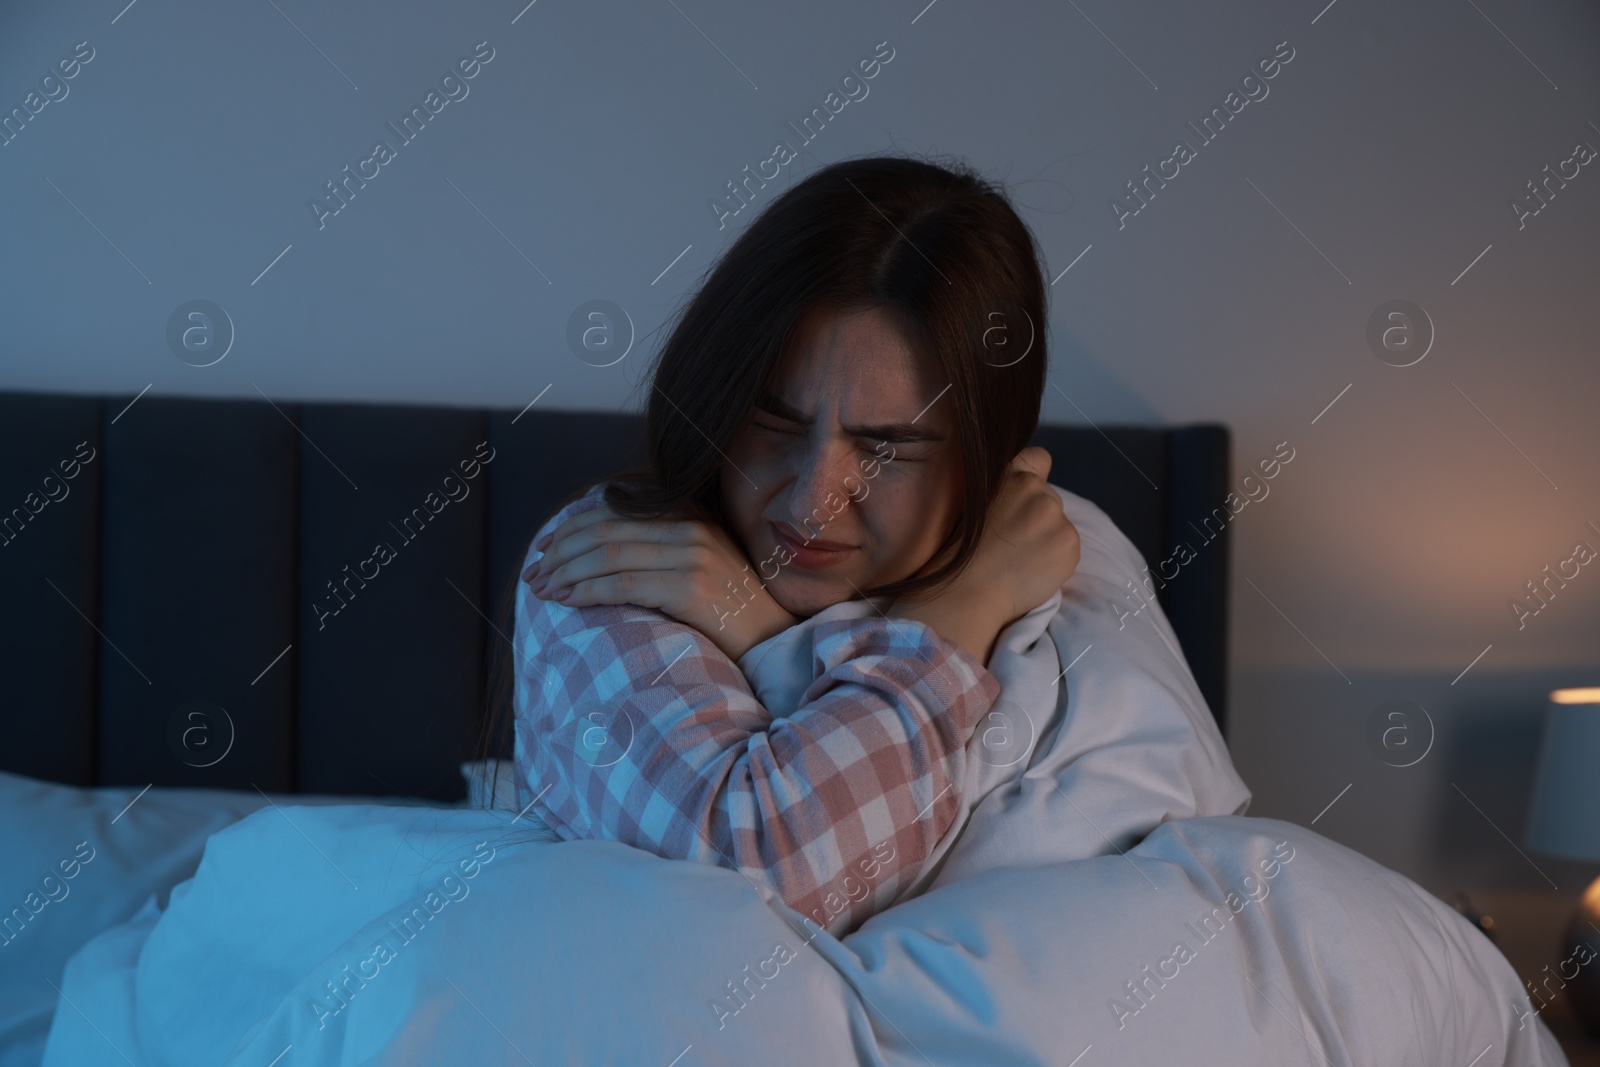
(813, 556)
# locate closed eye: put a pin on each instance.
(787, 428)
(873, 447)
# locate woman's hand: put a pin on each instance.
(1028, 551)
(1029, 547)
(688, 569)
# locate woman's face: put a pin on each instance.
(811, 460)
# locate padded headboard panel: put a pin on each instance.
(176, 570)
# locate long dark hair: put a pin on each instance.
(937, 247)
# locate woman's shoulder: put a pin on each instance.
(593, 497)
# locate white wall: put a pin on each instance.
(579, 167)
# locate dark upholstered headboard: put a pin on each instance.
(167, 569)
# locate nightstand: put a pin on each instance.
(1529, 930)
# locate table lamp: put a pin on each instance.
(1564, 820)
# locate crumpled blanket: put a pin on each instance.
(365, 935)
(1099, 902)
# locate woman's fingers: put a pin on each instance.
(605, 559)
(559, 548)
(645, 588)
(597, 526)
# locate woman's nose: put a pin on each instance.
(822, 470)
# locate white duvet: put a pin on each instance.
(1101, 901)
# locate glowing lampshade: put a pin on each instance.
(1564, 819)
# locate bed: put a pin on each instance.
(243, 735)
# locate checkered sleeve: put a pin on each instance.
(634, 727)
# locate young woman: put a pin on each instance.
(842, 412)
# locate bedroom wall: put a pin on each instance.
(588, 157)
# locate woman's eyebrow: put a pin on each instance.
(899, 432)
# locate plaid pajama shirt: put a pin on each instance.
(632, 726)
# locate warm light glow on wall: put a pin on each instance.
(1576, 696)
